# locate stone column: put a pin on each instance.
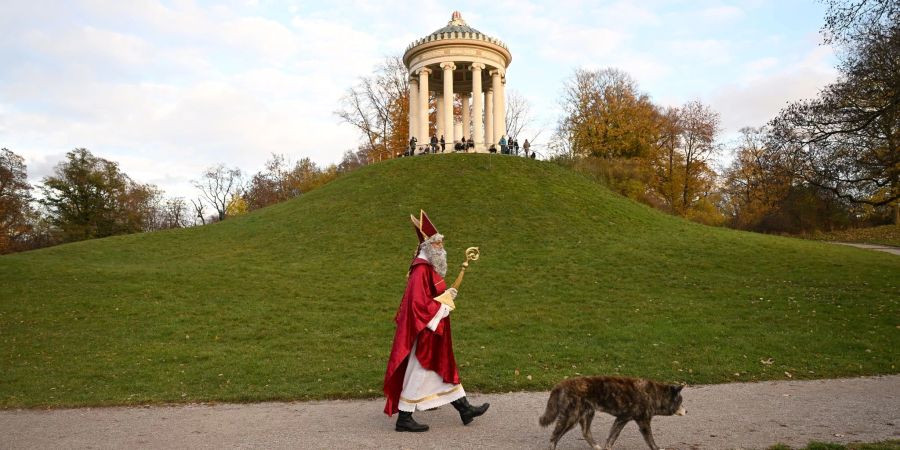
(423, 105)
(503, 130)
(466, 132)
(489, 118)
(497, 86)
(477, 107)
(439, 115)
(413, 109)
(448, 67)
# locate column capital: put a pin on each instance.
(495, 72)
(423, 71)
(476, 66)
(448, 66)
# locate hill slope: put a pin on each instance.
(297, 300)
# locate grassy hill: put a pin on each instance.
(296, 301)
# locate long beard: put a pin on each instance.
(437, 258)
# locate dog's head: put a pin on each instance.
(674, 404)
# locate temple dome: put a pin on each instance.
(456, 24)
(457, 28)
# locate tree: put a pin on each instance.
(218, 186)
(519, 116)
(699, 129)
(15, 201)
(198, 207)
(172, 213)
(849, 22)
(280, 181)
(89, 197)
(379, 107)
(605, 115)
(668, 160)
(271, 185)
(847, 140)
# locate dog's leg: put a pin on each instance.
(614, 432)
(644, 425)
(586, 417)
(564, 422)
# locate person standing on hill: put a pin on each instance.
(421, 370)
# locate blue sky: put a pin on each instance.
(168, 88)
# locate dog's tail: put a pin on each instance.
(552, 408)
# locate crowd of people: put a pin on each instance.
(439, 145)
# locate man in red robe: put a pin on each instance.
(421, 371)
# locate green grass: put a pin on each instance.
(881, 235)
(884, 445)
(296, 301)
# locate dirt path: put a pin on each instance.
(731, 416)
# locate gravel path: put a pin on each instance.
(880, 248)
(729, 416)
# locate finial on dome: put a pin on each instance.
(456, 19)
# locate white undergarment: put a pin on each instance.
(425, 389)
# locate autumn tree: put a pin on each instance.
(16, 212)
(89, 197)
(755, 182)
(378, 106)
(271, 185)
(699, 128)
(605, 115)
(281, 180)
(219, 185)
(847, 140)
(172, 213)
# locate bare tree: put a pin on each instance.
(519, 116)
(174, 213)
(379, 107)
(219, 185)
(198, 207)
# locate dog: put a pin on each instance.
(574, 401)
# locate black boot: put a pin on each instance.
(405, 422)
(467, 412)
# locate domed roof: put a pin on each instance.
(457, 29)
(456, 24)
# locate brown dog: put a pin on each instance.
(574, 401)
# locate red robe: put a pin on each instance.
(434, 350)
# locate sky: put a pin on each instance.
(169, 88)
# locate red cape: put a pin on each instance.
(434, 350)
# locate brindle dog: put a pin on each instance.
(574, 401)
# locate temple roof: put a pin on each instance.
(456, 24)
(457, 28)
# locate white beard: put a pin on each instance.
(437, 258)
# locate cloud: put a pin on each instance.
(758, 97)
(707, 51)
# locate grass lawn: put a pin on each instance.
(296, 301)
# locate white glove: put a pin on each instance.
(453, 292)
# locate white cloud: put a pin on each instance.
(702, 51)
(759, 97)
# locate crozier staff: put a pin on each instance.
(421, 371)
